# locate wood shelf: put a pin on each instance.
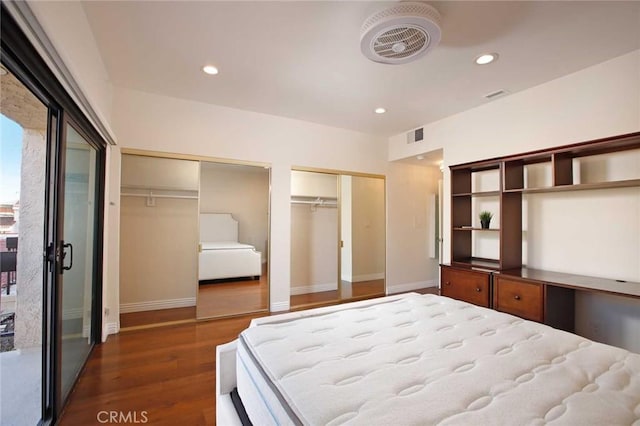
(630, 183)
(477, 262)
(478, 194)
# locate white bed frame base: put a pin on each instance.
(225, 382)
(220, 264)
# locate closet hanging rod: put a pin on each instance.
(152, 195)
(316, 203)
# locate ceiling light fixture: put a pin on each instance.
(486, 58)
(420, 157)
(210, 69)
(380, 110)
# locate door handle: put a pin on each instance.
(64, 254)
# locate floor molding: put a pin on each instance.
(153, 305)
(314, 288)
(401, 288)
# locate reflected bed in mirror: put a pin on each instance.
(233, 240)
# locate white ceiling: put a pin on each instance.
(302, 59)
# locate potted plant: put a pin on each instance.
(485, 218)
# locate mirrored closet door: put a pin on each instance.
(362, 233)
(233, 240)
(337, 237)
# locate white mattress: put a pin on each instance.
(425, 359)
(225, 245)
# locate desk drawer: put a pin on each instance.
(470, 286)
(519, 298)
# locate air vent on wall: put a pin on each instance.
(496, 94)
(415, 135)
(401, 33)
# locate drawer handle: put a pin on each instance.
(516, 297)
(447, 283)
(478, 289)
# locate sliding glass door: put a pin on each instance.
(79, 255)
(50, 235)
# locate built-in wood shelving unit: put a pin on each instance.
(512, 184)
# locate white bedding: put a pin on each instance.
(425, 359)
(221, 255)
(225, 245)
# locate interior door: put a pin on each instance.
(78, 255)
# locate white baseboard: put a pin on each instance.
(110, 328)
(280, 306)
(113, 327)
(68, 314)
(400, 288)
(368, 277)
(154, 305)
(314, 288)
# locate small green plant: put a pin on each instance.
(485, 218)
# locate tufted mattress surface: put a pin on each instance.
(425, 360)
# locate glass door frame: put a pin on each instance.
(21, 58)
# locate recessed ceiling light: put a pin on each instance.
(487, 58)
(210, 69)
(420, 157)
(380, 110)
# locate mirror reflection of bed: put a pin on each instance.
(337, 238)
(233, 235)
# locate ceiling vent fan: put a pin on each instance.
(401, 33)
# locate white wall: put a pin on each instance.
(173, 125)
(600, 101)
(409, 265)
(346, 234)
(111, 258)
(66, 25)
(242, 191)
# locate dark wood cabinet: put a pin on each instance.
(467, 285)
(521, 298)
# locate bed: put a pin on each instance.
(221, 255)
(422, 359)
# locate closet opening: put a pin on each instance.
(194, 238)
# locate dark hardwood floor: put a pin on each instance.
(348, 292)
(218, 299)
(161, 316)
(166, 374)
